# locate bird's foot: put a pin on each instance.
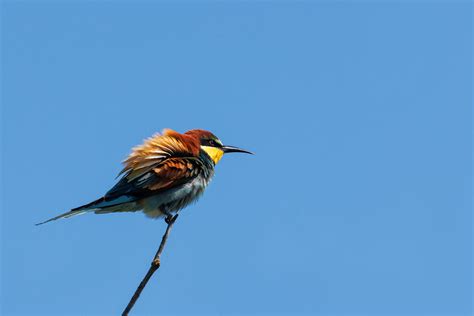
(169, 219)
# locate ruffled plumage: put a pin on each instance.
(164, 174)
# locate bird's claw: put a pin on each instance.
(169, 219)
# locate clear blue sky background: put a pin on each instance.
(358, 201)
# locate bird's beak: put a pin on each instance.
(232, 149)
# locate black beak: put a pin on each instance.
(232, 149)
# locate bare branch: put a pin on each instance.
(155, 265)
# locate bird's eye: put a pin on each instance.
(212, 142)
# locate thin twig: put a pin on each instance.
(155, 265)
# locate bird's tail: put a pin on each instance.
(65, 215)
(99, 206)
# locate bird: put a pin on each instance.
(163, 175)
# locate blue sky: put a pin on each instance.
(357, 202)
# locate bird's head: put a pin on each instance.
(212, 145)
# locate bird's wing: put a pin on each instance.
(165, 175)
(160, 163)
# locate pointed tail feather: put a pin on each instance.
(65, 215)
(76, 211)
(100, 206)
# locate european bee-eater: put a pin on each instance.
(161, 176)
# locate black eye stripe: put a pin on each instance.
(210, 142)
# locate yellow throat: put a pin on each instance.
(213, 152)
